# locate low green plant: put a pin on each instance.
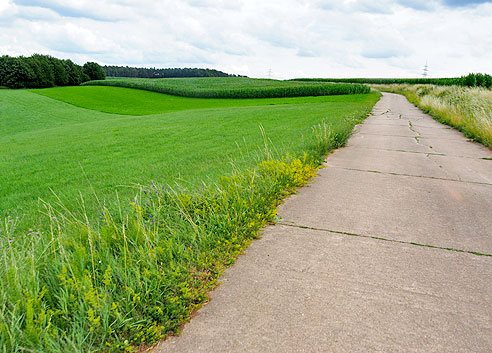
(79, 288)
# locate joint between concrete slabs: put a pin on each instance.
(381, 238)
(411, 175)
(408, 136)
(420, 152)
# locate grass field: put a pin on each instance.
(48, 144)
(118, 100)
(234, 87)
(117, 272)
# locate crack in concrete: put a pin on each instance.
(386, 112)
(418, 134)
(428, 155)
(403, 124)
(420, 137)
(411, 175)
(420, 152)
(368, 133)
(377, 237)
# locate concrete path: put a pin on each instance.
(345, 272)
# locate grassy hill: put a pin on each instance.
(49, 145)
(118, 100)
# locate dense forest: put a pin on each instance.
(141, 72)
(38, 71)
(470, 80)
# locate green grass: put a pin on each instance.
(110, 276)
(49, 145)
(118, 100)
(234, 87)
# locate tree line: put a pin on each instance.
(470, 80)
(39, 71)
(141, 72)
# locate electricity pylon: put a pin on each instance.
(425, 70)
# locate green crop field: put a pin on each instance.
(234, 87)
(129, 263)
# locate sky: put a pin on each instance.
(259, 38)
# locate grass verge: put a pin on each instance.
(233, 87)
(467, 109)
(135, 276)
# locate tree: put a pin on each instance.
(469, 80)
(59, 72)
(43, 71)
(488, 81)
(74, 72)
(15, 72)
(94, 71)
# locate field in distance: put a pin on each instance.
(234, 87)
(48, 144)
(119, 100)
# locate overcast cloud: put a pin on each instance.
(293, 38)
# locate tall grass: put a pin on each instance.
(234, 87)
(467, 109)
(138, 273)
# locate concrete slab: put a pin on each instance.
(308, 291)
(388, 142)
(299, 289)
(454, 147)
(429, 211)
(390, 162)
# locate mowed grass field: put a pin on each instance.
(49, 146)
(128, 266)
(120, 100)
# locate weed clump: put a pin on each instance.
(140, 274)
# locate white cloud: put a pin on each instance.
(316, 38)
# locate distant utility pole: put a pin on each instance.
(425, 70)
(270, 73)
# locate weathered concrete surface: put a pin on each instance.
(405, 178)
